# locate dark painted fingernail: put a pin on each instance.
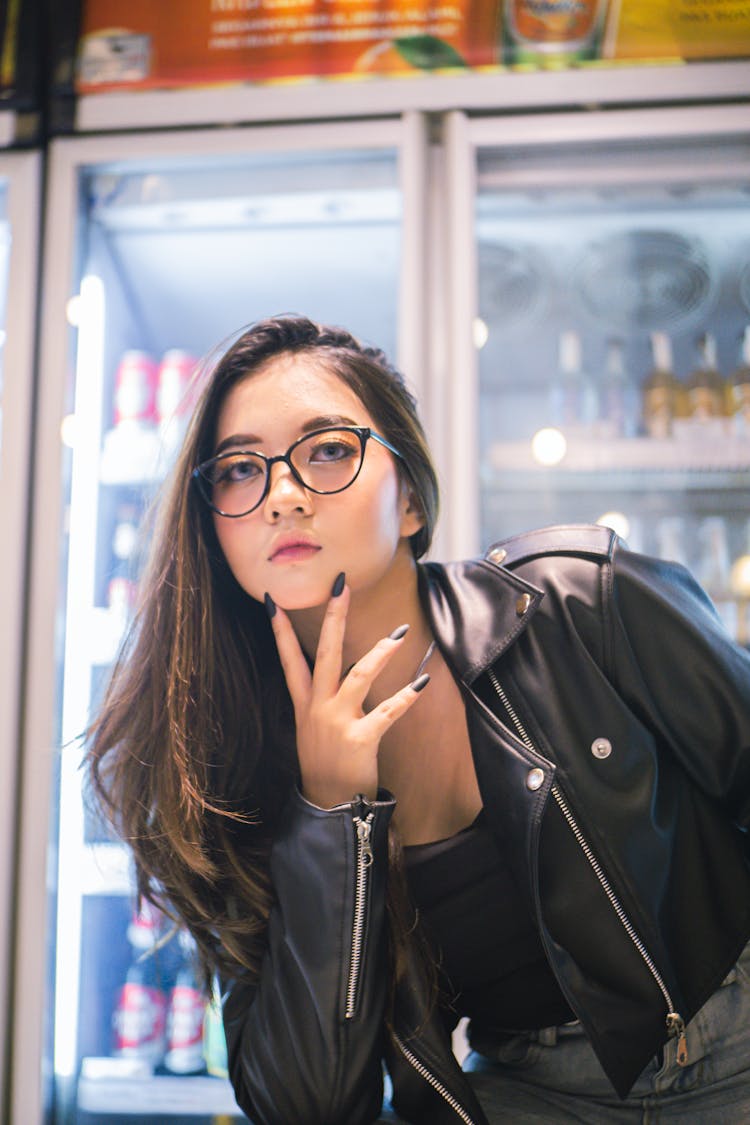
(420, 682)
(397, 634)
(338, 585)
(270, 605)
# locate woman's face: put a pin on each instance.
(295, 543)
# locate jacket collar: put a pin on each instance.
(476, 610)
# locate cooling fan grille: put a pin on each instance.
(645, 278)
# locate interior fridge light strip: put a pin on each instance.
(75, 700)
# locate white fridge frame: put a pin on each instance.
(464, 136)
(29, 1087)
(23, 172)
(505, 91)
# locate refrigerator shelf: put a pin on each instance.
(106, 870)
(545, 480)
(165, 1094)
(133, 456)
(692, 462)
(104, 635)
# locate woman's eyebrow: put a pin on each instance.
(324, 420)
(320, 422)
(241, 441)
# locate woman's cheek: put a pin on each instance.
(241, 557)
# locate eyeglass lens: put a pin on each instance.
(325, 462)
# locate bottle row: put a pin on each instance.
(148, 393)
(660, 405)
(163, 1016)
(151, 406)
(152, 401)
(705, 546)
(715, 549)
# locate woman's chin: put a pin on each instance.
(299, 605)
(292, 601)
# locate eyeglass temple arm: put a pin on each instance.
(385, 442)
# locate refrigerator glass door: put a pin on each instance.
(613, 337)
(172, 257)
(19, 249)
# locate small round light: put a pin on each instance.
(739, 577)
(73, 309)
(69, 428)
(618, 521)
(548, 446)
(480, 332)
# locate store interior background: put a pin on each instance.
(552, 244)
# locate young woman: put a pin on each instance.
(384, 795)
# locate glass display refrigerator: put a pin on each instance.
(604, 338)
(157, 249)
(19, 255)
(568, 293)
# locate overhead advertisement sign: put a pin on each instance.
(176, 43)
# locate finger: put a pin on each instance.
(293, 662)
(382, 717)
(361, 676)
(329, 653)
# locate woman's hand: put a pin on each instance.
(337, 743)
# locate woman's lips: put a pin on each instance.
(294, 552)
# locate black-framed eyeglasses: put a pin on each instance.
(324, 461)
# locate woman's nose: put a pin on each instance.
(285, 493)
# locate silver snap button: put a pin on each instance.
(497, 555)
(534, 779)
(601, 748)
(523, 604)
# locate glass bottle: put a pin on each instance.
(139, 1019)
(620, 403)
(670, 539)
(573, 395)
(121, 587)
(739, 584)
(538, 28)
(214, 1039)
(660, 392)
(187, 1006)
(713, 569)
(705, 389)
(738, 390)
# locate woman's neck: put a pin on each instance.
(373, 613)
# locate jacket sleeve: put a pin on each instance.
(676, 664)
(305, 1041)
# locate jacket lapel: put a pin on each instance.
(476, 610)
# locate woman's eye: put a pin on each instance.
(238, 471)
(332, 451)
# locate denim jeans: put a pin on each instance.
(554, 1076)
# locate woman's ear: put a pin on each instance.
(412, 517)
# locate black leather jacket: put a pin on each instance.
(609, 717)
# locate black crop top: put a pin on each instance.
(493, 965)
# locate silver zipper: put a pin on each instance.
(436, 1084)
(363, 828)
(675, 1022)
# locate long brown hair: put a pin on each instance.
(191, 754)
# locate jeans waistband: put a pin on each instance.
(488, 1043)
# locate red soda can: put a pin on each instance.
(175, 372)
(187, 1007)
(122, 594)
(140, 1018)
(135, 389)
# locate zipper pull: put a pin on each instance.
(676, 1029)
(364, 830)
